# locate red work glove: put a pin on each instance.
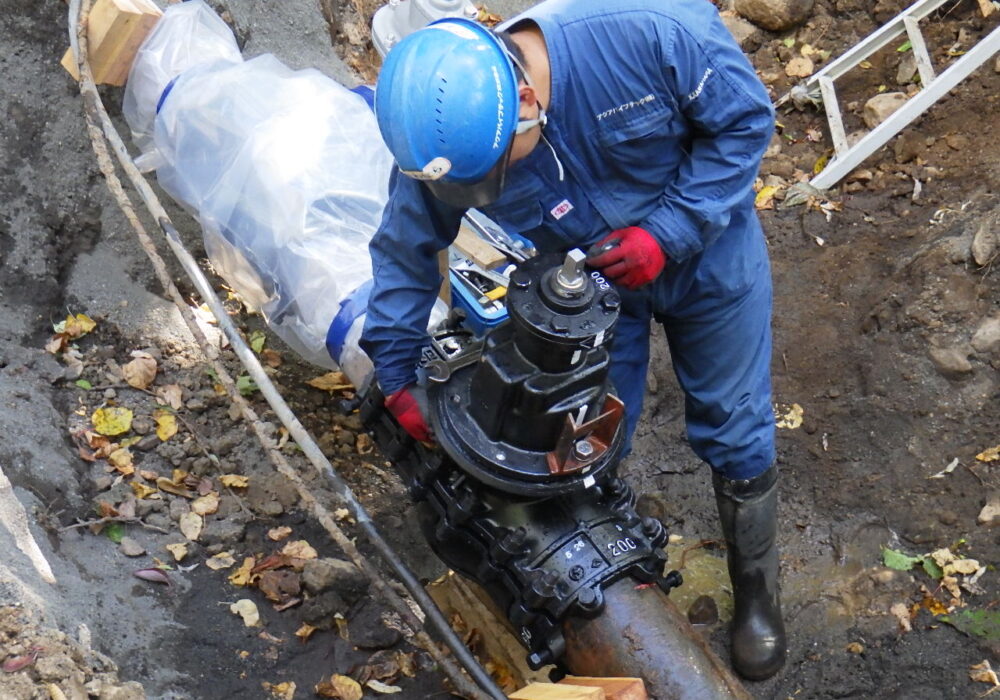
(635, 260)
(406, 409)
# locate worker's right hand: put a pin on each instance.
(405, 407)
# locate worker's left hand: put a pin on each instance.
(635, 260)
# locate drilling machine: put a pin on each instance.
(520, 492)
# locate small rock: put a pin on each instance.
(780, 166)
(799, 67)
(223, 445)
(334, 574)
(373, 635)
(131, 548)
(110, 394)
(878, 108)
(907, 68)
(987, 337)
(141, 425)
(996, 65)
(985, 243)
(990, 514)
(159, 520)
(908, 146)
(54, 667)
(883, 576)
(947, 517)
(703, 611)
(196, 405)
(652, 505)
(957, 142)
(227, 530)
(178, 507)
(147, 443)
(775, 15)
(773, 148)
(953, 362)
(319, 610)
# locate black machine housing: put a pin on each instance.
(521, 495)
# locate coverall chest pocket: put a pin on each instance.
(641, 146)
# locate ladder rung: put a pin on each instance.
(833, 116)
(919, 48)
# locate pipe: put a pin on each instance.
(641, 633)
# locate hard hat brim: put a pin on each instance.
(473, 195)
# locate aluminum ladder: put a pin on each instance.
(819, 87)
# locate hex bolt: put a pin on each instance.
(650, 526)
(611, 302)
(520, 280)
(588, 599)
(537, 659)
(583, 449)
(558, 324)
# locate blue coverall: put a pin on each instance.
(656, 119)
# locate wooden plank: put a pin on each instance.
(472, 246)
(560, 691)
(115, 30)
(473, 614)
(614, 688)
(444, 293)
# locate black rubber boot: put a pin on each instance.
(747, 510)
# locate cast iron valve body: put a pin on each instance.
(535, 416)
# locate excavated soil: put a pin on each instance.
(887, 351)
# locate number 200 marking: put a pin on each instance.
(601, 283)
(621, 546)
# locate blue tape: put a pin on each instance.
(166, 91)
(352, 307)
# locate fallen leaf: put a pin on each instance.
(284, 691)
(179, 550)
(407, 663)
(290, 603)
(799, 67)
(20, 662)
(140, 371)
(115, 532)
(380, 687)
(299, 549)
(247, 609)
(331, 381)
(279, 586)
(171, 395)
(343, 514)
(820, 163)
(305, 631)
(153, 575)
(166, 424)
(765, 197)
(984, 624)
(962, 566)
(141, 490)
(83, 384)
(947, 470)
(902, 614)
(246, 385)
(897, 560)
(56, 344)
(271, 358)
(113, 420)
(276, 534)
(191, 525)
(364, 444)
(792, 417)
(274, 561)
(341, 688)
(121, 459)
(934, 606)
(171, 487)
(206, 505)
(234, 481)
(855, 648)
(222, 560)
(865, 65)
(942, 557)
(990, 455)
(986, 7)
(77, 326)
(982, 673)
(244, 575)
(343, 629)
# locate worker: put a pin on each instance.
(633, 129)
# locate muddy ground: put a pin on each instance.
(887, 303)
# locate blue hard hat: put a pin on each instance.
(447, 107)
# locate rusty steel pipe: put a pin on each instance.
(641, 633)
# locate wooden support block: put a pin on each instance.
(560, 691)
(472, 246)
(115, 29)
(444, 293)
(614, 688)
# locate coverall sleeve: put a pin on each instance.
(415, 227)
(731, 117)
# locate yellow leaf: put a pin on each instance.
(855, 648)
(234, 481)
(340, 688)
(282, 691)
(246, 609)
(168, 486)
(166, 424)
(331, 381)
(276, 534)
(191, 525)
(141, 490)
(305, 631)
(990, 455)
(179, 550)
(206, 505)
(113, 420)
(299, 549)
(765, 198)
(865, 65)
(141, 371)
(78, 325)
(121, 459)
(243, 576)
(820, 163)
(792, 417)
(222, 560)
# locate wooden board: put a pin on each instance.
(115, 29)
(472, 246)
(614, 688)
(561, 691)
